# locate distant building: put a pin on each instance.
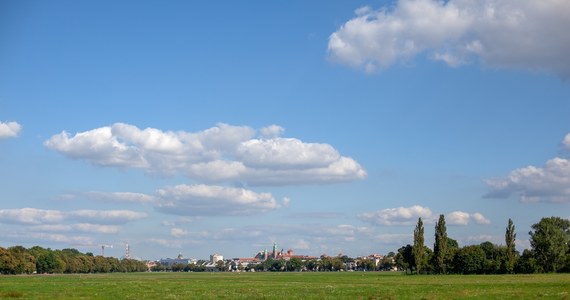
(212, 265)
(376, 258)
(243, 263)
(264, 255)
(169, 262)
(214, 258)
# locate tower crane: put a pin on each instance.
(103, 246)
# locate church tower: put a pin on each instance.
(274, 254)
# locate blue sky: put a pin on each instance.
(222, 126)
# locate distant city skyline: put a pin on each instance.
(204, 127)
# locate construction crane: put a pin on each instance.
(103, 246)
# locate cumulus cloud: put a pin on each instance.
(202, 200)
(463, 218)
(221, 153)
(9, 129)
(480, 219)
(286, 153)
(272, 131)
(405, 216)
(34, 216)
(458, 218)
(549, 183)
(398, 216)
(520, 34)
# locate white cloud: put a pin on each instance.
(458, 218)
(98, 146)
(189, 201)
(286, 202)
(127, 197)
(201, 200)
(107, 216)
(345, 230)
(272, 131)
(398, 216)
(406, 216)
(344, 169)
(480, 219)
(178, 232)
(521, 34)
(286, 153)
(31, 216)
(9, 129)
(566, 142)
(34, 216)
(221, 153)
(63, 238)
(82, 227)
(550, 183)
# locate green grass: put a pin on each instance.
(348, 285)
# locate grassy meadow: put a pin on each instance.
(347, 285)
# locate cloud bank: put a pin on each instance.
(61, 226)
(519, 34)
(206, 200)
(35, 216)
(223, 153)
(185, 200)
(9, 129)
(406, 216)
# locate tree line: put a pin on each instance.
(19, 260)
(549, 241)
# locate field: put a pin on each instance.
(348, 285)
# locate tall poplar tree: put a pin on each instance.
(418, 249)
(510, 237)
(440, 246)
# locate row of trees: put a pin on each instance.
(324, 264)
(19, 260)
(295, 264)
(550, 251)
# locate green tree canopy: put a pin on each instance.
(549, 240)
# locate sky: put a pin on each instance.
(200, 127)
